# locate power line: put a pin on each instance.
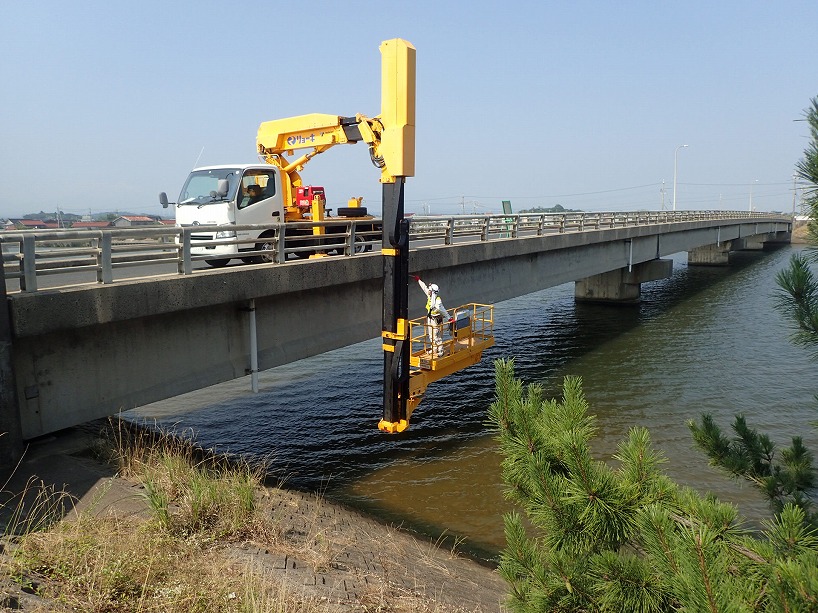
(745, 184)
(507, 197)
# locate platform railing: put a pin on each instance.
(470, 324)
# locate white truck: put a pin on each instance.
(261, 194)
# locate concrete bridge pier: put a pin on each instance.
(750, 243)
(710, 255)
(779, 238)
(621, 286)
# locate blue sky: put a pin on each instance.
(584, 104)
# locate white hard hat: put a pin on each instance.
(434, 288)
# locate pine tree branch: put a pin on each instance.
(704, 570)
(629, 539)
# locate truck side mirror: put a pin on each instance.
(222, 187)
(163, 199)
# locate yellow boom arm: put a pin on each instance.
(391, 136)
(281, 137)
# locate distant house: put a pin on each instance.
(90, 225)
(129, 221)
(27, 224)
(167, 222)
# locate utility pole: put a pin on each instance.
(662, 193)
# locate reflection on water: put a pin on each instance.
(707, 340)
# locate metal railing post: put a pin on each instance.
(29, 264)
(349, 248)
(105, 272)
(186, 262)
(280, 245)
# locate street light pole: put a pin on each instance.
(751, 194)
(675, 164)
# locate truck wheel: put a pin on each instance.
(268, 252)
(268, 256)
(217, 263)
(352, 211)
(360, 246)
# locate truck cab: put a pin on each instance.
(228, 195)
(256, 194)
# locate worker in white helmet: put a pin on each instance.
(436, 314)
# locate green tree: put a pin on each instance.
(799, 288)
(789, 476)
(557, 208)
(625, 537)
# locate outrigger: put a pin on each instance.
(469, 334)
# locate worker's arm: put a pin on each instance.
(422, 285)
(442, 310)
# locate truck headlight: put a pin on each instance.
(226, 234)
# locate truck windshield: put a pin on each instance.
(201, 185)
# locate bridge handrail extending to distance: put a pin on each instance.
(30, 254)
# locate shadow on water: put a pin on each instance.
(317, 417)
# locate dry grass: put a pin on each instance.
(180, 556)
(189, 490)
(170, 561)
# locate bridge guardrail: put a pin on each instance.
(30, 254)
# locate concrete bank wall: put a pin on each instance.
(80, 354)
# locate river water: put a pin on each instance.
(706, 340)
